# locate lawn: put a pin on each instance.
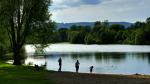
(11, 74)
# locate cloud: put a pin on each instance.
(63, 4)
(112, 10)
(92, 2)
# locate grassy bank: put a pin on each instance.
(10, 74)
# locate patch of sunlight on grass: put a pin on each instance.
(11, 74)
(6, 65)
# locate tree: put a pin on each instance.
(42, 33)
(73, 37)
(89, 39)
(97, 26)
(117, 27)
(148, 20)
(3, 42)
(21, 16)
(63, 34)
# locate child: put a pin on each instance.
(60, 64)
(91, 69)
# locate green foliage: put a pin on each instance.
(73, 36)
(77, 34)
(89, 39)
(63, 34)
(103, 33)
(22, 18)
(116, 27)
(41, 33)
(4, 43)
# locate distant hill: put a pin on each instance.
(68, 25)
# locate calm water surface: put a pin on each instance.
(125, 62)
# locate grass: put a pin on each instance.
(11, 74)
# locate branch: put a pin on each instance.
(9, 35)
(19, 25)
(13, 31)
(26, 27)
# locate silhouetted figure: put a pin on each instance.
(37, 67)
(60, 64)
(91, 69)
(77, 65)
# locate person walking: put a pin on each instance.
(60, 64)
(77, 65)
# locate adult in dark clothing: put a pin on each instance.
(60, 64)
(77, 65)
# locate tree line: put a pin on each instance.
(103, 33)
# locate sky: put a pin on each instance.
(67, 11)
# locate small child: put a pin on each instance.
(91, 69)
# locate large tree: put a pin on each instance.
(20, 17)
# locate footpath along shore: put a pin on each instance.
(84, 78)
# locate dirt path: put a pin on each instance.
(75, 78)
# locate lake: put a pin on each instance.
(106, 59)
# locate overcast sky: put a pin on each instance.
(100, 10)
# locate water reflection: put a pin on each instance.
(81, 55)
(115, 57)
(113, 63)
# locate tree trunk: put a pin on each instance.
(17, 57)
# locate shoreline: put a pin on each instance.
(98, 74)
(94, 73)
(17, 74)
(87, 78)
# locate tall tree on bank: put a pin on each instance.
(20, 17)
